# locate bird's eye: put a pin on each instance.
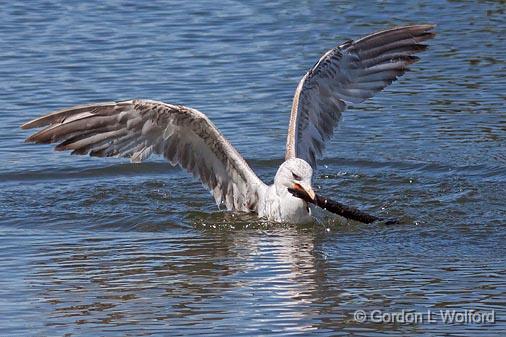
(296, 177)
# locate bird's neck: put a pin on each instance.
(282, 191)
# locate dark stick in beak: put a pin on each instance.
(348, 212)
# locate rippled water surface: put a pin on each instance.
(93, 246)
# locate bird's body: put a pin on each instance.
(277, 204)
(349, 73)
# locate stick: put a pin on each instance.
(340, 209)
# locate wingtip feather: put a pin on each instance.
(28, 125)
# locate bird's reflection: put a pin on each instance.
(190, 278)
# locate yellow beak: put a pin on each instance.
(299, 186)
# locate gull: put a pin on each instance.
(347, 74)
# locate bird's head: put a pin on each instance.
(295, 173)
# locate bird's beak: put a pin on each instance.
(299, 186)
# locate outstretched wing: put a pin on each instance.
(349, 73)
(138, 128)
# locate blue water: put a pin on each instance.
(93, 246)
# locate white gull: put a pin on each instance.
(349, 73)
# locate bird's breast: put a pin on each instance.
(284, 207)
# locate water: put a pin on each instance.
(93, 246)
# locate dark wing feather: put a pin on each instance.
(349, 73)
(135, 129)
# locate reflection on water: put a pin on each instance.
(245, 281)
(101, 247)
(185, 280)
